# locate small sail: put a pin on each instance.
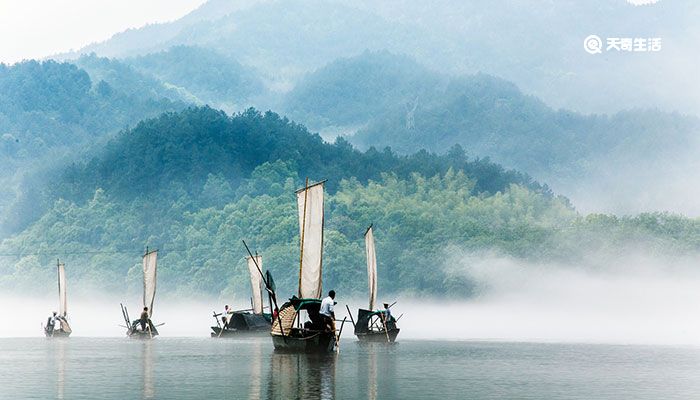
(256, 282)
(310, 206)
(371, 267)
(62, 302)
(149, 280)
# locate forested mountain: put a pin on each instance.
(182, 73)
(538, 47)
(205, 75)
(194, 183)
(391, 100)
(181, 150)
(48, 112)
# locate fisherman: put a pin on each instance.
(388, 319)
(387, 312)
(144, 319)
(51, 323)
(327, 310)
(224, 316)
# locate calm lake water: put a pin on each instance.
(204, 368)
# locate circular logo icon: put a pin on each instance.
(593, 44)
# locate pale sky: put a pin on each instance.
(39, 28)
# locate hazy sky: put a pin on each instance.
(38, 28)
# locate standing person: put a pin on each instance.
(327, 310)
(388, 319)
(144, 319)
(224, 316)
(51, 323)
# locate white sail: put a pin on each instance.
(256, 283)
(62, 302)
(310, 205)
(149, 280)
(371, 267)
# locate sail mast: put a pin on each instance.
(150, 260)
(371, 267)
(311, 220)
(255, 262)
(62, 301)
(301, 238)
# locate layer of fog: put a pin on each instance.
(636, 300)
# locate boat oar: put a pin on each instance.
(385, 328)
(397, 319)
(337, 337)
(350, 314)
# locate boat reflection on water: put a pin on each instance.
(377, 367)
(60, 368)
(302, 376)
(148, 379)
(255, 385)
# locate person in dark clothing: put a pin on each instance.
(144, 318)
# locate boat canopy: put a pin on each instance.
(362, 325)
(289, 311)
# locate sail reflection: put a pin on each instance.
(148, 379)
(256, 372)
(302, 376)
(60, 368)
(377, 367)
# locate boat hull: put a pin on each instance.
(318, 342)
(57, 333)
(142, 335)
(230, 333)
(379, 336)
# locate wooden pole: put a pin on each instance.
(350, 314)
(303, 225)
(385, 328)
(269, 289)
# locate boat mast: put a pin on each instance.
(303, 225)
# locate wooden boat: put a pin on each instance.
(374, 325)
(64, 329)
(247, 322)
(298, 326)
(133, 328)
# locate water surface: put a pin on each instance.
(195, 368)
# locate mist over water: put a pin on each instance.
(634, 300)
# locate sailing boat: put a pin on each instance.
(374, 325)
(138, 328)
(288, 333)
(249, 321)
(63, 329)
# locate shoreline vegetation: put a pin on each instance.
(194, 183)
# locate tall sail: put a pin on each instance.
(371, 267)
(256, 282)
(62, 302)
(310, 206)
(149, 280)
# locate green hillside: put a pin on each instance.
(195, 183)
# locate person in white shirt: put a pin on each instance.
(224, 315)
(327, 310)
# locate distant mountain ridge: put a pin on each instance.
(391, 100)
(536, 45)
